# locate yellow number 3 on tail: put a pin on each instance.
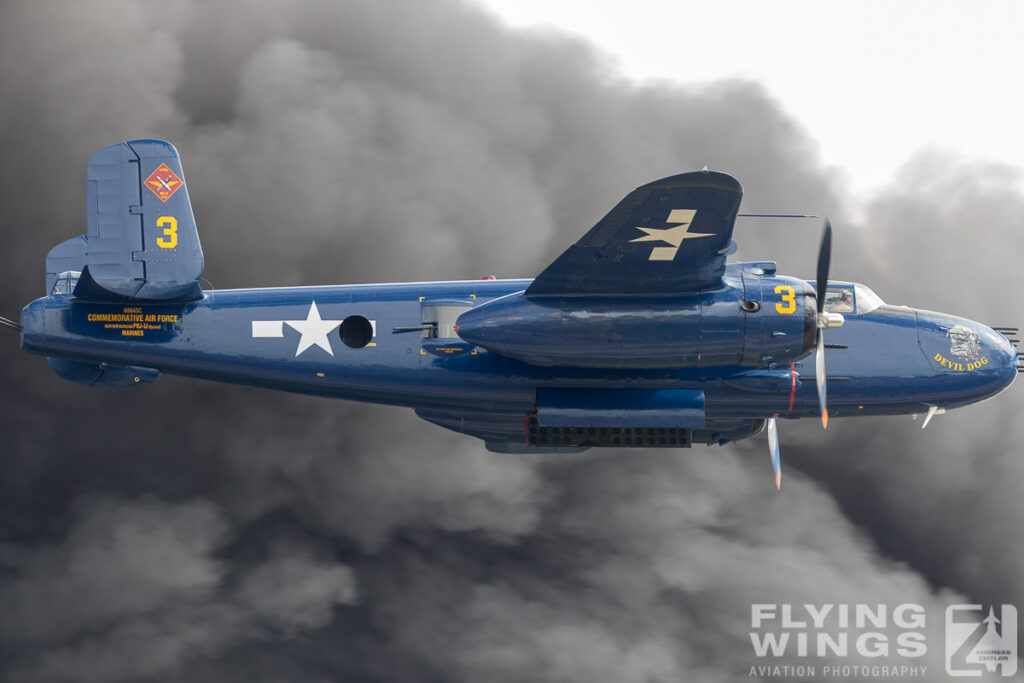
(171, 233)
(788, 297)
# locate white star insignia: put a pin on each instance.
(314, 331)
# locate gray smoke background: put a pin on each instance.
(189, 531)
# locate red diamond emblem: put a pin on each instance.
(163, 182)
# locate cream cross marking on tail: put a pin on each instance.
(674, 235)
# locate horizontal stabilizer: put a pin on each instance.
(142, 239)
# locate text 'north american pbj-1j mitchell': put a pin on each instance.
(639, 334)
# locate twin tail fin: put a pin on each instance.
(141, 240)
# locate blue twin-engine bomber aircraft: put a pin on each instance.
(639, 334)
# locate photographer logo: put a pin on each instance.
(978, 641)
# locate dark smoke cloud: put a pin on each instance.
(192, 531)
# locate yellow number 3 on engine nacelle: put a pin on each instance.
(788, 298)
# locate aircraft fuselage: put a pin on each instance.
(891, 360)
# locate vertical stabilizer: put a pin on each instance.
(142, 240)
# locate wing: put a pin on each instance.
(668, 236)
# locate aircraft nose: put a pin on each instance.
(996, 363)
(972, 360)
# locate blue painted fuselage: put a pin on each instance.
(890, 360)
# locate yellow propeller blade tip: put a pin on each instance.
(824, 420)
(778, 481)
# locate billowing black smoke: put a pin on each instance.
(192, 531)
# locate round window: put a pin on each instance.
(356, 331)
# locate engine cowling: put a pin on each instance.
(773, 321)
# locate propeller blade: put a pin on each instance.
(819, 376)
(773, 446)
(824, 259)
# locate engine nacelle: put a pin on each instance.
(752, 322)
